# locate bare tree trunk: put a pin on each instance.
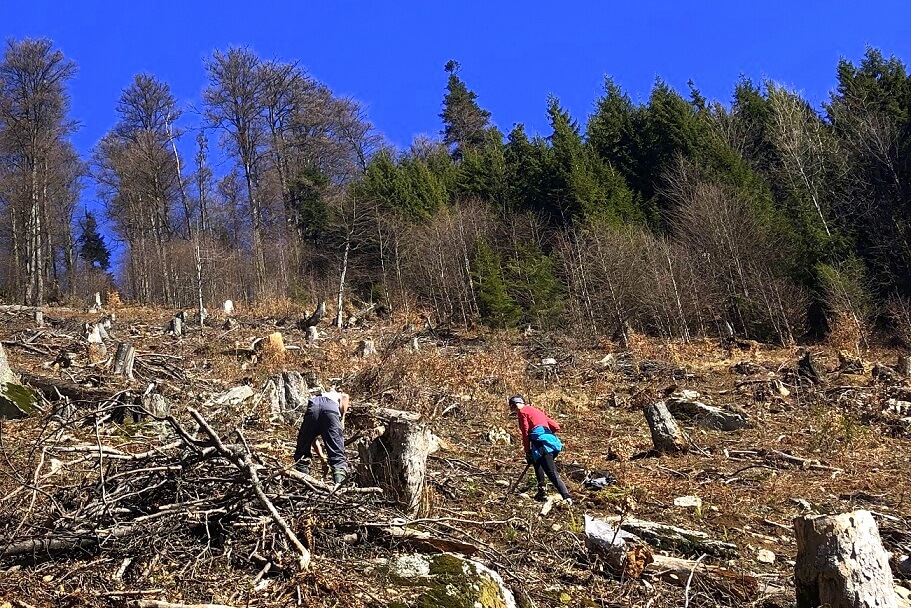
(341, 285)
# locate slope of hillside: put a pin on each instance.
(103, 508)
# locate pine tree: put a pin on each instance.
(465, 124)
(497, 307)
(92, 247)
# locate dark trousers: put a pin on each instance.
(322, 420)
(545, 465)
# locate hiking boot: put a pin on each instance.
(541, 496)
(303, 466)
(339, 476)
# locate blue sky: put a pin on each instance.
(390, 55)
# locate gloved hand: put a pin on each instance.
(529, 458)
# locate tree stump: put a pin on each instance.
(397, 460)
(807, 368)
(228, 307)
(156, 405)
(313, 319)
(312, 335)
(666, 435)
(39, 318)
(97, 351)
(841, 563)
(366, 348)
(903, 366)
(288, 395)
(123, 360)
(175, 327)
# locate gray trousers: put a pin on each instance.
(322, 420)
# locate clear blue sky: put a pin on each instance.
(390, 55)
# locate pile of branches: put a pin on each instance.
(86, 488)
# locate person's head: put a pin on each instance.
(516, 403)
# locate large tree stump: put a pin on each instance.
(288, 395)
(808, 368)
(841, 563)
(397, 460)
(666, 435)
(123, 360)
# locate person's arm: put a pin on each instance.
(343, 402)
(523, 428)
(553, 424)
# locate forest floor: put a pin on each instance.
(858, 456)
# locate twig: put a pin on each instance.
(686, 592)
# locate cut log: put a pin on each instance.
(841, 563)
(706, 416)
(666, 435)
(397, 460)
(123, 360)
(664, 536)
(625, 552)
(313, 319)
(359, 316)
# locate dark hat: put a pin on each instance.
(515, 400)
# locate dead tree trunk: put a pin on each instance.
(841, 563)
(313, 319)
(396, 460)
(666, 435)
(123, 360)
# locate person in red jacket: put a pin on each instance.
(535, 427)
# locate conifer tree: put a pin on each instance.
(92, 247)
(465, 123)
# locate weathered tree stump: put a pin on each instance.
(94, 336)
(313, 319)
(38, 316)
(903, 366)
(841, 563)
(312, 335)
(288, 396)
(156, 405)
(366, 348)
(228, 307)
(123, 360)
(807, 368)
(666, 435)
(396, 460)
(175, 327)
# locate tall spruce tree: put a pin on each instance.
(92, 247)
(465, 123)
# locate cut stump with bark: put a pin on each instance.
(666, 434)
(397, 460)
(841, 563)
(123, 360)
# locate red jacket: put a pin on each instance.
(529, 417)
